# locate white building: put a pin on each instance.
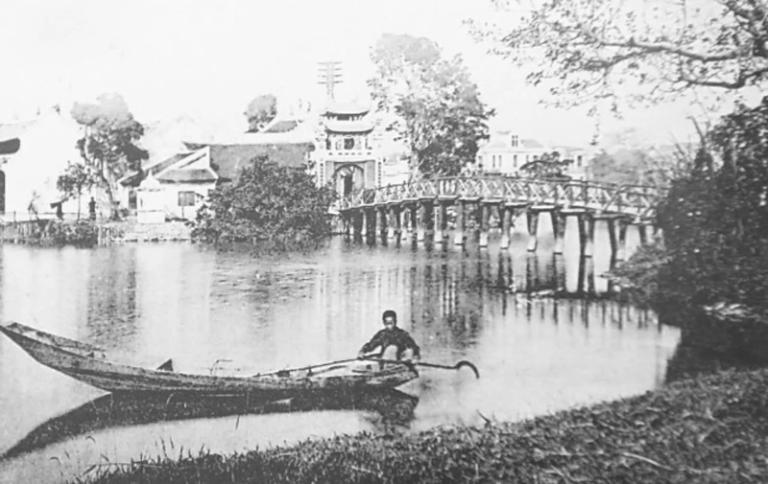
(28, 176)
(505, 152)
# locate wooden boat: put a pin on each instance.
(88, 364)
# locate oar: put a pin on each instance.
(434, 365)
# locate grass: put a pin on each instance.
(705, 430)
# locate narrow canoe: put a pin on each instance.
(88, 364)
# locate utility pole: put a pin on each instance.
(329, 75)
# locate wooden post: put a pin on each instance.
(558, 228)
(506, 218)
(364, 225)
(587, 234)
(459, 236)
(394, 221)
(484, 216)
(621, 249)
(383, 223)
(533, 227)
(440, 221)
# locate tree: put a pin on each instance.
(715, 220)
(435, 105)
(108, 146)
(270, 206)
(75, 179)
(639, 51)
(260, 111)
(549, 165)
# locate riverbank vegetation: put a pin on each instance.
(707, 430)
(715, 224)
(269, 206)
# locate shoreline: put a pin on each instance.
(711, 428)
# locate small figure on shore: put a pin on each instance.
(59, 211)
(395, 343)
(92, 209)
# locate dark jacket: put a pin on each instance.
(395, 336)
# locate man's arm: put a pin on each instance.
(372, 344)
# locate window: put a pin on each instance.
(328, 144)
(349, 143)
(514, 161)
(514, 141)
(187, 199)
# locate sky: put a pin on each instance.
(208, 59)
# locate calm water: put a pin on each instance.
(146, 303)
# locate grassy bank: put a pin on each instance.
(711, 429)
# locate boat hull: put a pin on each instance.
(82, 362)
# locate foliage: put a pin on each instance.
(108, 146)
(436, 106)
(260, 111)
(649, 51)
(269, 206)
(76, 178)
(639, 276)
(706, 430)
(715, 220)
(549, 166)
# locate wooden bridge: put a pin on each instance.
(431, 206)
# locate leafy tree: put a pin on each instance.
(75, 179)
(260, 111)
(715, 220)
(590, 48)
(108, 146)
(436, 106)
(270, 206)
(549, 165)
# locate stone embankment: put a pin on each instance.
(130, 231)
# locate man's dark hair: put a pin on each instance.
(389, 313)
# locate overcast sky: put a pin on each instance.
(207, 59)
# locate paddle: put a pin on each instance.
(457, 366)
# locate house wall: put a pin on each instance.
(155, 202)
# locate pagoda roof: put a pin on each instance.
(356, 126)
(349, 108)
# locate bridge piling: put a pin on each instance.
(533, 227)
(381, 226)
(364, 225)
(558, 228)
(484, 215)
(440, 210)
(459, 235)
(506, 218)
(394, 222)
(587, 234)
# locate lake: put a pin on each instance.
(537, 326)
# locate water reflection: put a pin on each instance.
(392, 408)
(538, 327)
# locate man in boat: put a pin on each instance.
(395, 343)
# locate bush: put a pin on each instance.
(81, 233)
(269, 206)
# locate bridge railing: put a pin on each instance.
(633, 200)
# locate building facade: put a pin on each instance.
(350, 151)
(506, 152)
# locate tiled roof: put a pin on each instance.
(197, 175)
(133, 178)
(228, 160)
(337, 107)
(358, 126)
